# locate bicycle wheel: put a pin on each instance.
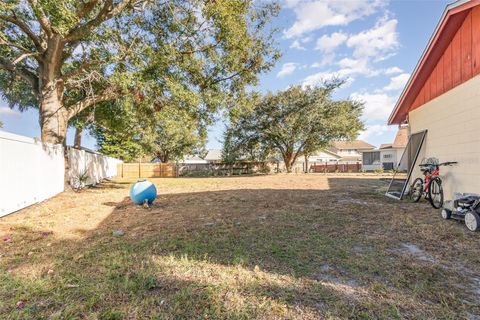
(416, 190)
(435, 193)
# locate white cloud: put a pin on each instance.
(320, 78)
(377, 105)
(297, 45)
(327, 59)
(328, 43)
(313, 15)
(375, 130)
(7, 111)
(393, 70)
(369, 46)
(397, 82)
(379, 42)
(287, 68)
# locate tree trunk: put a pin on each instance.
(306, 163)
(77, 143)
(288, 163)
(53, 119)
(53, 115)
(163, 157)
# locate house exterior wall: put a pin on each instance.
(452, 120)
(349, 153)
(321, 157)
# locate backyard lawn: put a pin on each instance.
(269, 247)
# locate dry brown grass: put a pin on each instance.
(267, 247)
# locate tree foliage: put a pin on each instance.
(295, 122)
(127, 148)
(66, 57)
(173, 134)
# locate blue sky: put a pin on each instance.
(374, 45)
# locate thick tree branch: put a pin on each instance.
(83, 67)
(20, 71)
(23, 56)
(86, 8)
(107, 12)
(41, 17)
(106, 95)
(25, 28)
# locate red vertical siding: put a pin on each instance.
(447, 69)
(440, 76)
(433, 84)
(456, 60)
(476, 40)
(459, 62)
(422, 96)
(452, 58)
(466, 31)
(426, 88)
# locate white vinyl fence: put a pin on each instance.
(31, 172)
(93, 166)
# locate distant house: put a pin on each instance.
(340, 152)
(324, 156)
(212, 156)
(190, 159)
(388, 155)
(350, 151)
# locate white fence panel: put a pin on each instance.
(30, 172)
(96, 166)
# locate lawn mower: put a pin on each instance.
(466, 207)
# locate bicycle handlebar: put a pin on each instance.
(448, 163)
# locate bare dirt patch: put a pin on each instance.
(283, 246)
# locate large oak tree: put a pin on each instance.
(65, 57)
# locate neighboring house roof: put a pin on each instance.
(355, 144)
(193, 160)
(401, 139)
(464, 49)
(386, 146)
(326, 151)
(213, 155)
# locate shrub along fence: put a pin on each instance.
(223, 169)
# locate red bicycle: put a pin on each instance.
(431, 185)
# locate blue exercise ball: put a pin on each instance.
(143, 190)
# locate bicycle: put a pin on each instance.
(431, 186)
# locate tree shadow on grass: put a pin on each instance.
(248, 253)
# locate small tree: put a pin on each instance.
(296, 122)
(126, 147)
(173, 134)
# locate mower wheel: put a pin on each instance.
(446, 214)
(472, 220)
